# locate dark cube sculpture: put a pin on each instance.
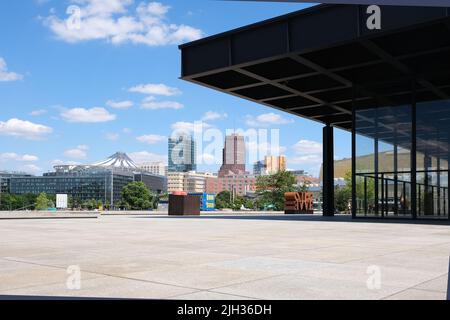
(184, 205)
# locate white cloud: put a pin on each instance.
(262, 149)
(159, 105)
(24, 129)
(156, 89)
(39, 112)
(212, 115)
(92, 115)
(145, 156)
(266, 120)
(308, 155)
(151, 138)
(119, 104)
(311, 159)
(190, 127)
(18, 157)
(31, 168)
(115, 22)
(6, 75)
(80, 152)
(126, 130)
(303, 147)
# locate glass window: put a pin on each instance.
(433, 134)
(383, 127)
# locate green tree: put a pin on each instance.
(42, 202)
(303, 186)
(271, 189)
(343, 195)
(92, 204)
(136, 196)
(223, 200)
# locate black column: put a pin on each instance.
(354, 168)
(328, 171)
(414, 155)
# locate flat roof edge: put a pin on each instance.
(308, 10)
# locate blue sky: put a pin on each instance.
(77, 92)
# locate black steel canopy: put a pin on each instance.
(318, 62)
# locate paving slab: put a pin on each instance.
(417, 294)
(266, 256)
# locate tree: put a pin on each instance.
(223, 200)
(342, 197)
(303, 186)
(136, 196)
(364, 190)
(271, 189)
(42, 202)
(92, 204)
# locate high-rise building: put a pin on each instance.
(233, 155)
(156, 167)
(275, 164)
(259, 168)
(182, 154)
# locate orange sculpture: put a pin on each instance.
(298, 203)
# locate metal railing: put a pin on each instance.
(391, 193)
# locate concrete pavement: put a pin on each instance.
(224, 257)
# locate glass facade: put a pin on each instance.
(401, 152)
(96, 183)
(182, 154)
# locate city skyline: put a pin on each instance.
(59, 91)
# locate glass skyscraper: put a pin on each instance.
(182, 154)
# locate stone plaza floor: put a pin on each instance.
(223, 257)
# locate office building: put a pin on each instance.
(259, 168)
(182, 154)
(157, 167)
(191, 182)
(101, 181)
(233, 155)
(5, 180)
(386, 83)
(241, 185)
(274, 164)
(270, 165)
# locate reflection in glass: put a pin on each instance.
(433, 135)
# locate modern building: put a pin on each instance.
(381, 75)
(233, 155)
(298, 172)
(191, 182)
(259, 168)
(182, 154)
(241, 184)
(5, 180)
(157, 167)
(275, 164)
(154, 182)
(270, 165)
(101, 181)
